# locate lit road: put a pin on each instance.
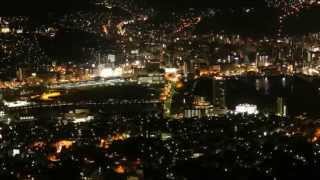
(108, 82)
(108, 102)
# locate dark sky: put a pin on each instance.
(26, 7)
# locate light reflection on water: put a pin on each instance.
(258, 85)
(266, 85)
(300, 94)
(283, 82)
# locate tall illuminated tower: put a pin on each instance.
(281, 107)
(218, 93)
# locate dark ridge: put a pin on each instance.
(26, 7)
(306, 21)
(259, 22)
(40, 7)
(205, 3)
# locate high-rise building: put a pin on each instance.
(313, 54)
(19, 74)
(218, 93)
(281, 107)
(112, 60)
(185, 68)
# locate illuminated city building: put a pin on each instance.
(200, 108)
(5, 30)
(185, 68)
(79, 116)
(246, 109)
(281, 107)
(218, 93)
(17, 103)
(19, 74)
(190, 113)
(112, 59)
(151, 79)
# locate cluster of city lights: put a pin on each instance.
(246, 109)
(291, 8)
(109, 72)
(186, 23)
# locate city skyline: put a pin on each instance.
(148, 90)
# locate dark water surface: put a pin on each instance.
(301, 95)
